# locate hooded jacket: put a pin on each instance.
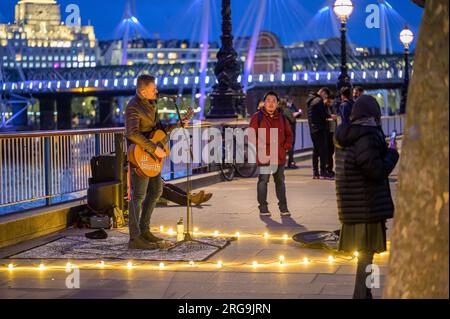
(363, 164)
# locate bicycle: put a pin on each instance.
(229, 167)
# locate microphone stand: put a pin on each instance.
(188, 238)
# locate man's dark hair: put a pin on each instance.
(271, 93)
(359, 89)
(326, 90)
(346, 92)
(144, 80)
(331, 96)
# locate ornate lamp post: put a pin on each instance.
(406, 38)
(227, 98)
(343, 9)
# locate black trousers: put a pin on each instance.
(320, 151)
(330, 163)
(361, 290)
(291, 151)
(280, 189)
(174, 194)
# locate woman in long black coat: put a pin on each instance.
(363, 164)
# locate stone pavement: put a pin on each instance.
(233, 208)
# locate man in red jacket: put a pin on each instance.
(274, 138)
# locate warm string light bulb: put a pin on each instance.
(170, 231)
(305, 260)
(129, 265)
(161, 265)
(191, 263)
(330, 259)
(195, 229)
(68, 266)
(285, 237)
(356, 254)
(10, 266)
(216, 233)
(220, 264)
(255, 264)
(237, 234)
(282, 260)
(102, 264)
(266, 235)
(41, 267)
(161, 229)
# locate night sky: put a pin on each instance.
(292, 20)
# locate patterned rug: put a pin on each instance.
(116, 247)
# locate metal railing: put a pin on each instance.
(47, 164)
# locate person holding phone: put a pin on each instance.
(363, 164)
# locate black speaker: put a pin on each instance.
(102, 196)
(103, 169)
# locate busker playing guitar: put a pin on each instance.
(140, 121)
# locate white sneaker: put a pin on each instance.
(285, 214)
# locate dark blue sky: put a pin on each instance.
(292, 20)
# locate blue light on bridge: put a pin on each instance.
(239, 79)
(376, 74)
(328, 76)
(86, 83)
(272, 78)
(165, 81)
(106, 83)
(77, 84)
(186, 80)
(400, 74)
(352, 75)
(67, 84)
(135, 82)
(116, 82)
(261, 78)
(250, 78)
(196, 80)
(364, 75)
(207, 80)
(125, 82)
(294, 77)
(283, 77)
(305, 77)
(58, 84)
(175, 81)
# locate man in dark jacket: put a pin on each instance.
(363, 164)
(270, 118)
(140, 120)
(345, 107)
(318, 126)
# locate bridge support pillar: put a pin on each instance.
(64, 109)
(47, 108)
(105, 112)
(21, 120)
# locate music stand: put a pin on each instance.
(187, 235)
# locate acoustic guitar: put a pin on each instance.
(148, 164)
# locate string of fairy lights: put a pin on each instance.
(281, 263)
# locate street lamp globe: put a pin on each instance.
(343, 9)
(406, 37)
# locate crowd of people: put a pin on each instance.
(349, 126)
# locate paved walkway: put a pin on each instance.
(233, 208)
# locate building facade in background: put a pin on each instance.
(39, 38)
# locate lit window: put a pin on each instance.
(56, 58)
(38, 65)
(50, 58)
(31, 65)
(44, 65)
(80, 65)
(75, 64)
(150, 55)
(62, 58)
(69, 65)
(86, 58)
(25, 65)
(161, 55)
(183, 45)
(172, 56)
(93, 58)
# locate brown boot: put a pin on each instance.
(206, 198)
(141, 243)
(197, 198)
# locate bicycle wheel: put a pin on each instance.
(249, 167)
(227, 171)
